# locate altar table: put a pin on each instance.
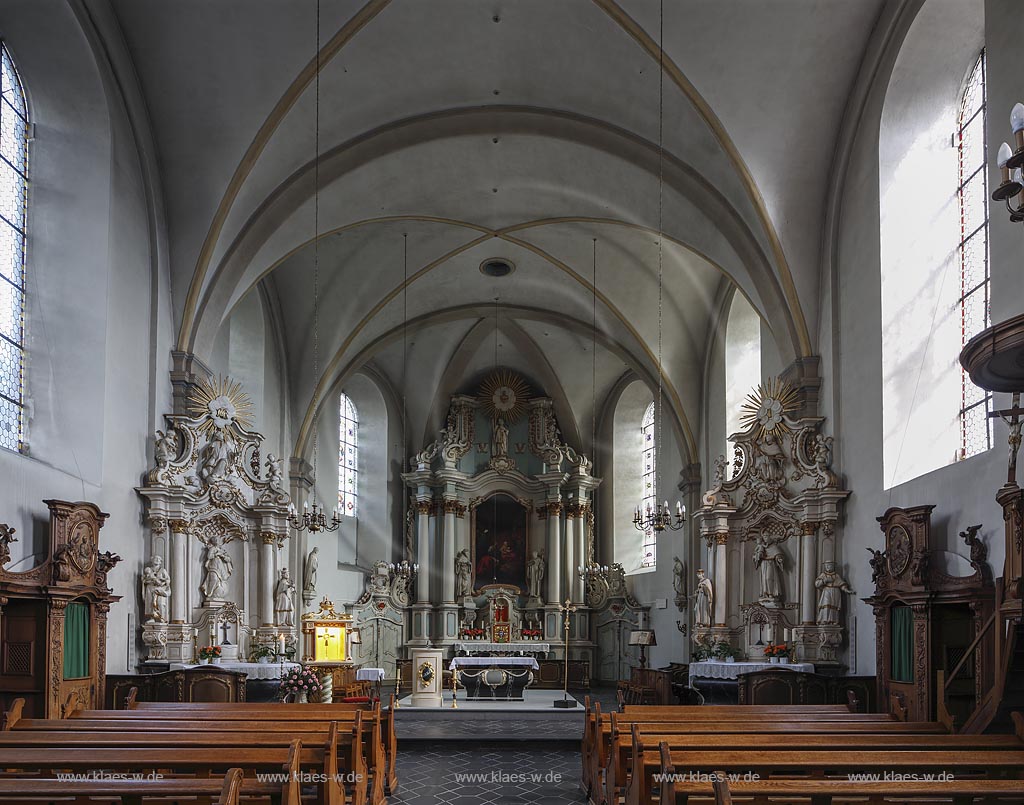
(254, 670)
(710, 669)
(494, 677)
(486, 647)
(369, 674)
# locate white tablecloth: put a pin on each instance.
(255, 670)
(369, 674)
(461, 662)
(710, 669)
(485, 647)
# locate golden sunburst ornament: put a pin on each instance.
(503, 395)
(222, 402)
(766, 406)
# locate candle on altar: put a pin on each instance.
(281, 652)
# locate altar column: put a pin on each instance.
(266, 588)
(569, 558)
(424, 556)
(808, 571)
(577, 513)
(721, 592)
(448, 552)
(179, 570)
(554, 515)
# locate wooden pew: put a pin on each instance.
(382, 746)
(812, 763)
(23, 791)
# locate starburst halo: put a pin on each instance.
(504, 394)
(767, 404)
(220, 401)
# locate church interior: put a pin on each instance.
(489, 401)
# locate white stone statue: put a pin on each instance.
(284, 603)
(770, 560)
(218, 567)
(165, 449)
(679, 582)
(309, 571)
(535, 575)
(156, 589)
(705, 597)
(274, 478)
(830, 601)
(463, 575)
(500, 438)
(218, 456)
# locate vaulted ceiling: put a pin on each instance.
(453, 131)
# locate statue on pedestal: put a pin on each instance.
(219, 567)
(679, 582)
(705, 597)
(284, 605)
(156, 589)
(830, 602)
(463, 575)
(217, 457)
(309, 572)
(534, 577)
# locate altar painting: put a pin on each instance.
(499, 542)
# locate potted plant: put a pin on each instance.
(262, 654)
(722, 651)
(208, 654)
(300, 682)
(702, 649)
(773, 652)
(786, 653)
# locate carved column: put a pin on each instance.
(424, 555)
(575, 534)
(179, 570)
(451, 510)
(553, 512)
(808, 565)
(922, 663)
(721, 591)
(267, 574)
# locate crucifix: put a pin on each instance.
(224, 629)
(567, 608)
(1012, 417)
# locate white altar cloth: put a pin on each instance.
(485, 647)
(460, 662)
(710, 669)
(369, 674)
(255, 670)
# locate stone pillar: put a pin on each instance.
(265, 593)
(721, 591)
(424, 556)
(575, 553)
(553, 512)
(179, 570)
(808, 565)
(451, 508)
(569, 556)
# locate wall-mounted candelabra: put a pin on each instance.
(1010, 161)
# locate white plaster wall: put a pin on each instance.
(742, 364)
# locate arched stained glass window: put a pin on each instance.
(975, 299)
(348, 458)
(649, 469)
(14, 134)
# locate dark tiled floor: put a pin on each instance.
(487, 774)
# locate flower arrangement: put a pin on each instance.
(301, 681)
(209, 653)
(532, 634)
(261, 653)
(703, 648)
(473, 634)
(778, 650)
(722, 649)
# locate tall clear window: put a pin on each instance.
(649, 470)
(14, 132)
(348, 458)
(972, 252)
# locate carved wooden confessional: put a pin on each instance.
(53, 618)
(929, 605)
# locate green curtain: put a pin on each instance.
(76, 640)
(902, 643)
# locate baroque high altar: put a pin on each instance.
(772, 573)
(218, 518)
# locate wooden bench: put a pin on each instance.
(33, 791)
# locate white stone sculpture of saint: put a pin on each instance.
(535, 576)
(274, 478)
(463, 575)
(165, 449)
(156, 589)
(705, 597)
(500, 438)
(830, 601)
(284, 602)
(217, 457)
(679, 582)
(219, 567)
(770, 560)
(309, 571)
